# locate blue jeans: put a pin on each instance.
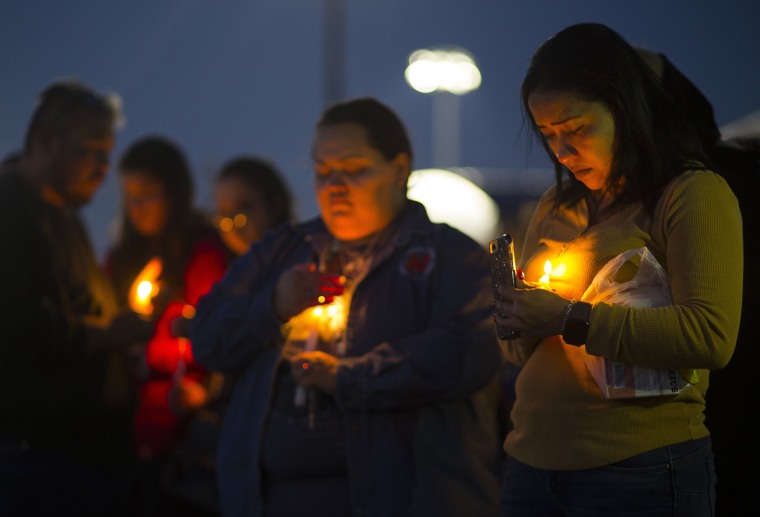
(673, 481)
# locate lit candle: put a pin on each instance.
(328, 320)
(309, 346)
(145, 288)
(321, 322)
(179, 372)
(544, 280)
(551, 272)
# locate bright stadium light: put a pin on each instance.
(447, 74)
(451, 70)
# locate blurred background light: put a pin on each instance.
(452, 70)
(447, 74)
(452, 199)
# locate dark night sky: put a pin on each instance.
(247, 76)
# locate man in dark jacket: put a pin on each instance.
(61, 403)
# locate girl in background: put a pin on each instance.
(159, 221)
(251, 198)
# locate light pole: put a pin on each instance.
(334, 26)
(447, 73)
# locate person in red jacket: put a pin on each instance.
(163, 240)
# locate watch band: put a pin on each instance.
(575, 328)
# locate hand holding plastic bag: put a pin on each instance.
(633, 279)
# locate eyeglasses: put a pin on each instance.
(227, 223)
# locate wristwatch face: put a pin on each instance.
(576, 327)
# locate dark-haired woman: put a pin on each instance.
(631, 174)
(251, 198)
(159, 221)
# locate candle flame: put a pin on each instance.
(145, 288)
(328, 321)
(181, 368)
(552, 272)
(547, 271)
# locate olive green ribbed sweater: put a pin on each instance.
(561, 419)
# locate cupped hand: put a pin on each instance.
(302, 286)
(315, 369)
(535, 312)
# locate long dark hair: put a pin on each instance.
(165, 162)
(653, 142)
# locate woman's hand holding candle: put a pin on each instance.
(534, 311)
(315, 369)
(302, 286)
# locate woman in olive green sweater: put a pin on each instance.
(630, 174)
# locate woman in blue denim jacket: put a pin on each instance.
(362, 345)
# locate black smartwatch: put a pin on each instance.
(576, 325)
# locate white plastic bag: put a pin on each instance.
(632, 279)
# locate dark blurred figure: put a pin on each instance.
(10, 161)
(159, 225)
(250, 198)
(62, 450)
(731, 388)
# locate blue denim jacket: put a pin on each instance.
(417, 386)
